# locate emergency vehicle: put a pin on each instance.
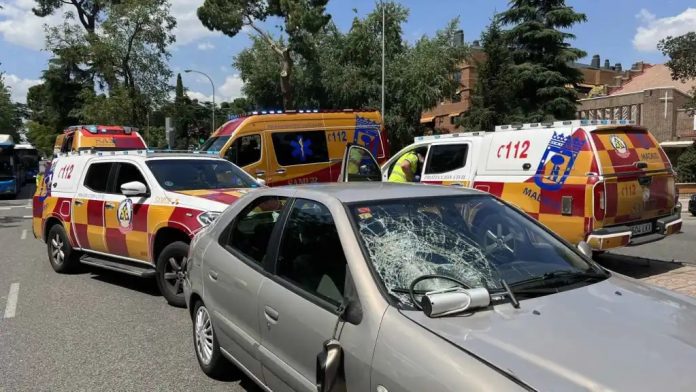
(296, 146)
(99, 137)
(604, 182)
(132, 211)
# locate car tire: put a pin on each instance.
(61, 255)
(205, 343)
(171, 266)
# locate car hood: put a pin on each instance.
(615, 335)
(207, 199)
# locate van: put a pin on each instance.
(604, 182)
(98, 137)
(296, 147)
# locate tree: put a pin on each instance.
(543, 59)
(492, 103)
(88, 11)
(10, 119)
(682, 61)
(686, 165)
(302, 20)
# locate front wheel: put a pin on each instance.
(171, 266)
(60, 254)
(205, 343)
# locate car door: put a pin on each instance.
(88, 207)
(247, 152)
(233, 272)
(448, 164)
(359, 165)
(125, 218)
(297, 306)
(298, 157)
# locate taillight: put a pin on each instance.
(600, 201)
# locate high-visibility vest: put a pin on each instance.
(397, 174)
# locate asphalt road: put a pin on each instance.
(97, 330)
(89, 331)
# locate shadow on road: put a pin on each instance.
(10, 221)
(145, 286)
(635, 267)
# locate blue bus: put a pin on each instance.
(28, 157)
(11, 173)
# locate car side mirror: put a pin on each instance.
(133, 188)
(261, 181)
(585, 249)
(330, 371)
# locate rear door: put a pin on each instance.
(299, 157)
(448, 164)
(639, 180)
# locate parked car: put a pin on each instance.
(132, 211)
(692, 205)
(606, 182)
(393, 287)
(98, 137)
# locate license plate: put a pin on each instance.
(642, 228)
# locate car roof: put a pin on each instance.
(371, 191)
(139, 154)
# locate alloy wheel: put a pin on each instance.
(57, 251)
(174, 274)
(204, 335)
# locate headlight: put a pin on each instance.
(208, 217)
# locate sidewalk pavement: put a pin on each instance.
(681, 280)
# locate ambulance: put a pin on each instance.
(297, 147)
(604, 182)
(99, 137)
(134, 211)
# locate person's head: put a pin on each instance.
(420, 152)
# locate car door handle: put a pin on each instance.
(109, 206)
(213, 275)
(281, 171)
(271, 314)
(78, 202)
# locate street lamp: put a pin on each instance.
(212, 84)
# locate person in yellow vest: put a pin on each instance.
(355, 156)
(406, 166)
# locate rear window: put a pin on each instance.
(446, 158)
(298, 148)
(620, 150)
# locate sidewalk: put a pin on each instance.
(681, 280)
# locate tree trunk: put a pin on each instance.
(285, 83)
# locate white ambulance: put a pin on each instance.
(604, 182)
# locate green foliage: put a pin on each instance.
(682, 61)
(10, 117)
(347, 71)
(302, 19)
(543, 59)
(41, 136)
(686, 165)
(491, 103)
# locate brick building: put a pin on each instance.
(652, 99)
(442, 118)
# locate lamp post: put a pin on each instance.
(213, 85)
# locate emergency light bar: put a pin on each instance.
(574, 123)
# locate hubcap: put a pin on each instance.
(204, 335)
(57, 250)
(174, 273)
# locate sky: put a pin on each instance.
(622, 31)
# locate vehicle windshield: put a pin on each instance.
(194, 174)
(215, 143)
(6, 169)
(475, 239)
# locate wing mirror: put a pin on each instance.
(450, 301)
(134, 188)
(261, 182)
(585, 249)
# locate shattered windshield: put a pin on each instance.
(475, 239)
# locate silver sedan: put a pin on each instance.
(387, 287)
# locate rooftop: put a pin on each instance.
(371, 191)
(657, 76)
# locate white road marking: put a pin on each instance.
(5, 208)
(11, 306)
(24, 234)
(28, 207)
(27, 217)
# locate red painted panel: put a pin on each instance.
(140, 217)
(95, 212)
(80, 232)
(116, 242)
(551, 201)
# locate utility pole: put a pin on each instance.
(212, 123)
(383, 39)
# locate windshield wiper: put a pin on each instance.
(558, 276)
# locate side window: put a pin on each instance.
(128, 172)
(245, 150)
(251, 231)
(310, 254)
(297, 148)
(446, 158)
(97, 177)
(67, 143)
